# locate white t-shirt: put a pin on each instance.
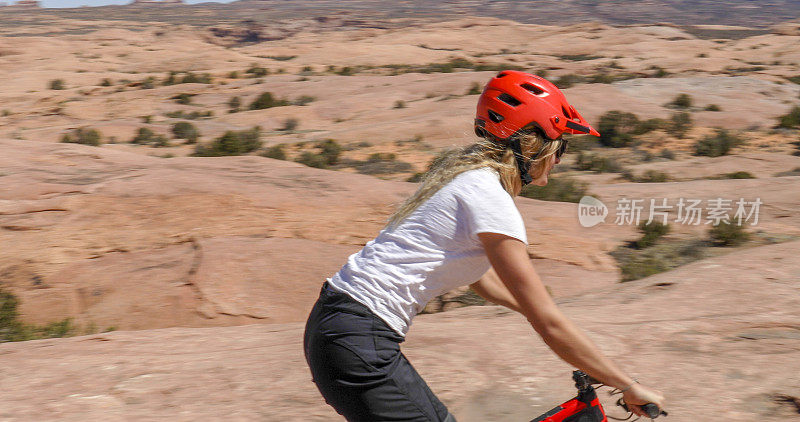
(433, 250)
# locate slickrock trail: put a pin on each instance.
(720, 337)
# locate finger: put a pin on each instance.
(636, 409)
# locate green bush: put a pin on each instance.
(728, 234)
(311, 159)
(179, 114)
(345, 71)
(192, 78)
(568, 81)
(233, 75)
(642, 267)
(145, 136)
(83, 136)
(183, 98)
(277, 152)
(596, 163)
(679, 124)
(652, 176)
(186, 130)
(738, 175)
(474, 89)
(12, 329)
(231, 143)
(790, 120)
(148, 83)
(171, 78)
(266, 100)
(718, 144)
(330, 151)
(303, 100)
(616, 128)
(562, 189)
(668, 154)
(105, 82)
(682, 101)
(712, 107)
(234, 105)
(256, 71)
(650, 233)
(399, 104)
(289, 125)
(659, 72)
(57, 84)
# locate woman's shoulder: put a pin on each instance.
(482, 175)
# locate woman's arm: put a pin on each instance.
(510, 260)
(491, 288)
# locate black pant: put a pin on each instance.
(356, 362)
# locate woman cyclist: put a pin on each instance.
(461, 222)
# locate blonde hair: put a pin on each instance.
(484, 153)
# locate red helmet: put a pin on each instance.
(513, 100)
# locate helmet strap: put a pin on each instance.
(522, 164)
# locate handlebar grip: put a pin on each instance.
(653, 411)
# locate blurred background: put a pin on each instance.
(177, 181)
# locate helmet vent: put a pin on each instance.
(513, 102)
(495, 117)
(566, 113)
(501, 74)
(535, 90)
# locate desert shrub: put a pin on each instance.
(233, 75)
(276, 151)
(727, 234)
(562, 189)
(667, 153)
(659, 72)
(578, 57)
(145, 136)
(83, 136)
(303, 100)
(642, 267)
(266, 100)
(170, 79)
(382, 163)
(652, 176)
(306, 71)
(649, 125)
(568, 80)
(718, 144)
(57, 84)
(712, 107)
(682, 101)
(179, 114)
(6, 112)
(616, 128)
(596, 163)
(650, 233)
(257, 71)
(738, 175)
(193, 78)
(399, 104)
(231, 143)
(474, 89)
(148, 83)
(330, 150)
(234, 105)
(12, 329)
(105, 82)
(182, 98)
(186, 130)
(312, 159)
(345, 71)
(791, 119)
(147, 119)
(416, 177)
(679, 124)
(290, 124)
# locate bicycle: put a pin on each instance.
(586, 407)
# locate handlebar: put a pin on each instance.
(584, 381)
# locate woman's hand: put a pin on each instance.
(639, 395)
